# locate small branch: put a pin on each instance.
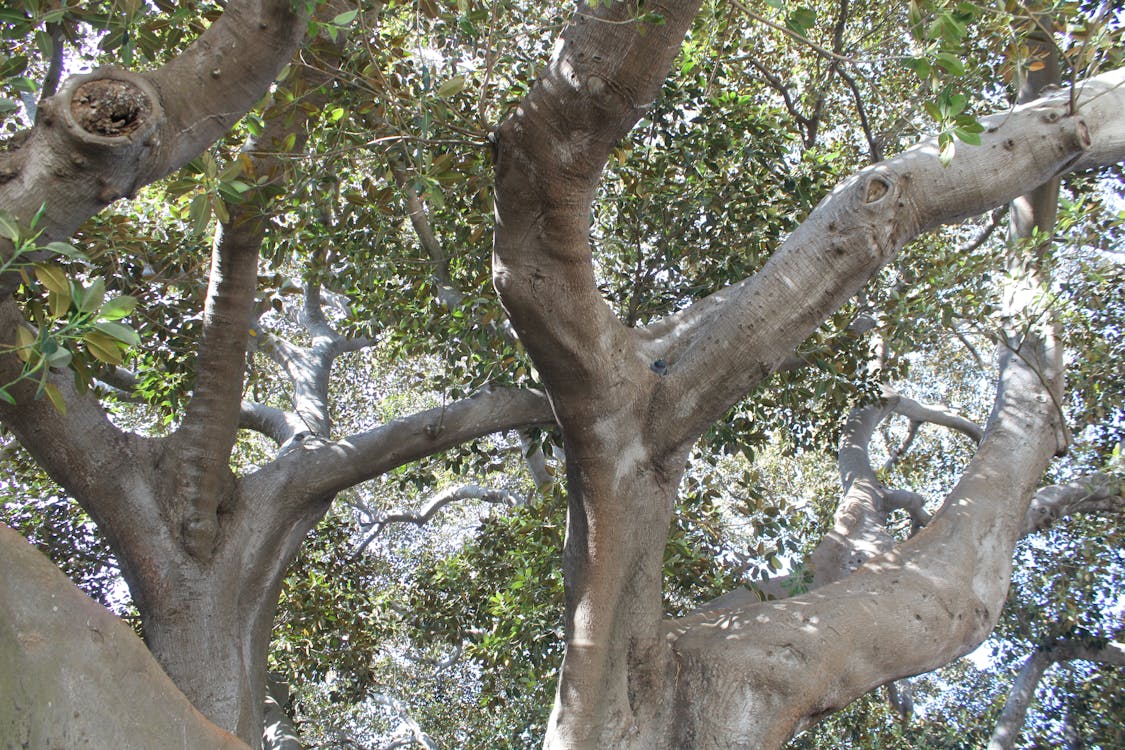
(874, 145)
(449, 295)
(54, 67)
(415, 733)
(535, 460)
(900, 694)
(1097, 493)
(279, 734)
(911, 502)
(443, 663)
(278, 425)
(799, 360)
(934, 414)
(450, 495)
(789, 32)
(1022, 692)
(312, 314)
(896, 453)
(996, 218)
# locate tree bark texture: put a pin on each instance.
(632, 401)
(203, 550)
(72, 675)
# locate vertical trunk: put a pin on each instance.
(616, 674)
(208, 623)
(211, 638)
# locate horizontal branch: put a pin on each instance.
(937, 414)
(382, 519)
(1097, 493)
(321, 468)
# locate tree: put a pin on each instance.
(633, 389)
(203, 550)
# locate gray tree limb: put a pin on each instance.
(180, 109)
(1012, 717)
(49, 633)
(1096, 493)
(321, 468)
(381, 519)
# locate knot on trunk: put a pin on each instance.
(110, 107)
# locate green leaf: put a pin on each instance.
(59, 357)
(345, 18)
(200, 214)
(452, 87)
(119, 332)
(801, 20)
(118, 307)
(973, 139)
(948, 149)
(948, 62)
(59, 303)
(9, 227)
(933, 111)
(103, 347)
(90, 298)
(54, 396)
(52, 277)
(67, 251)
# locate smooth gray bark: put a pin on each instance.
(751, 675)
(74, 676)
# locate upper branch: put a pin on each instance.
(1097, 493)
(76, 163)
(861, 225)
(606, 70)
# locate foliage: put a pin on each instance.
(66, 313)
(753, 128)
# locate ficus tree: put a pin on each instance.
(660, 299)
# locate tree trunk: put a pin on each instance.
(617, 672)
(212, 639)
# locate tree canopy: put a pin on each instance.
(610, 375)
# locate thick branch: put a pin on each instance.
(94, 470)
(211, 420)
(860, 226)
(76, 167)
(1097, 493)
(606, 71)
(937, 414)
(321, 469)
(448, 294)
(69, 669)
(937, 595)
(414, 732)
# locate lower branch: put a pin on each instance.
(70, 669)
(1011, 719)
